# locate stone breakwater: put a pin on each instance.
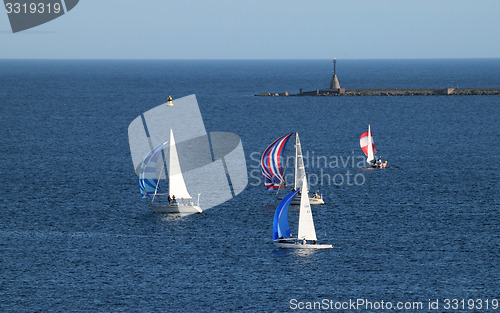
(389, 92)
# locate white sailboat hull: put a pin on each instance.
(298, 245)
(312, 200)
(179, 208)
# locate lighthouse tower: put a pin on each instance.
(334, 84)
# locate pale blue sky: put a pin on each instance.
(258, 29)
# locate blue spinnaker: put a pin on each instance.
(148, 177)
(281, 229)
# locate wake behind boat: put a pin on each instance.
(273, 172)
(179, 200)
(368, 147)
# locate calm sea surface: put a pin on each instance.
(75, 234)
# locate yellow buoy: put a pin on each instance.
(169, 101)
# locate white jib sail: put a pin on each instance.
(369, 157)
(176, 184)
(306, 223)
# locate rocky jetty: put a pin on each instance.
(391, 92)
(335, 90)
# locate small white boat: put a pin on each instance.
(368, 147)
(179, 200)
(274, 177)
(306, 234)
(315, 199)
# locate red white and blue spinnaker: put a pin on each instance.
(271, 163)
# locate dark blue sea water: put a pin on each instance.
(76, 236)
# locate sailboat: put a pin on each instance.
(272, 169)
(179, 199)
(368, 147)
(306, 235)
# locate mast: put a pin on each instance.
(297, 143)
(370, 146)
(306, 224)
(300, 171)
(176, 184)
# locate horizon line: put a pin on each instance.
(246, 59)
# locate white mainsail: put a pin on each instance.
(176, 184)
(300, 170)
(369, 157)
(306, 224)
